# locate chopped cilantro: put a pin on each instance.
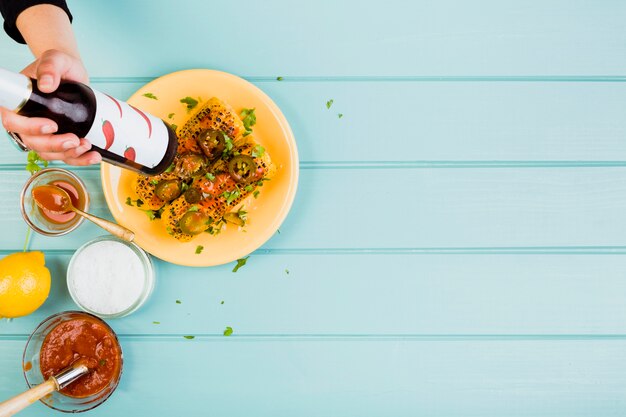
(138, 202)
(156, 322)
(222, 302)
(154, 182)
(228, 145)
(189, 337)
(340, 115)
(169, 230)
(174, 128)
(102, 362)
(209, 176)
(278, 230)
(178, 302)
(240, 262)
(170, 168)
(32, 162)
(258, 151)
(228, 331)
(150, 95)
(154, 214)
(199, 249)
(249, 119)
(279, 78)
(329, 103)
(193, 208)
(248, 188)
(231, 196)
(190, 102)
(184, 187)
(169, 116)
(256, 193)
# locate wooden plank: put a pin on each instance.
(327, 38)
(324, 38)
(234, 377)
(424, 122)
(413, 208)
(373, 295)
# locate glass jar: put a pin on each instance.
(32, 370)
(103, 289)
(34, 216)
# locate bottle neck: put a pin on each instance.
(15, 89)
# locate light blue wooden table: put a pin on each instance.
(457, 246)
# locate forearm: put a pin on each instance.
(46, 27)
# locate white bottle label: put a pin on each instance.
(127, 131)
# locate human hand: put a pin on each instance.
(38, 133)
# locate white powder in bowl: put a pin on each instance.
(107, 277)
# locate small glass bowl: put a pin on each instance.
(149, 276)
(32, 370)
(31, 213)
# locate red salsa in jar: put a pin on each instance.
(84, 339)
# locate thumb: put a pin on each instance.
(52, 65)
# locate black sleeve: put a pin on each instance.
(11, 9)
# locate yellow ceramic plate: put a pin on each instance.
(266, 213)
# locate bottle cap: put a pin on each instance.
(15, 89)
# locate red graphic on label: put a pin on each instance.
(116, 103)
(144, 118)
(109, 133)
(129, 154)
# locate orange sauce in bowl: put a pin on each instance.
(48, 200)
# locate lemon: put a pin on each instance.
(24, 283)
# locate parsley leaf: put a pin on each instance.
(279, 78)
(240, 262)
(256, 194)
(258, 151)
(33, 159)
(189, 337)
(199, 249)
(150, 95)
(329, 103)
(228, 331)
(249, 119)
(209, 176)
(154, 182)
(178, 302)
(169, 116)
(174, 128)
(190, 102)
(340, 115)
(222, 302)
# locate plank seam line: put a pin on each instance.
(393, 78)
(360, 337)
(356, 165)
(528, 250)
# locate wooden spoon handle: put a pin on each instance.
(19, 402)
(113, 228)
